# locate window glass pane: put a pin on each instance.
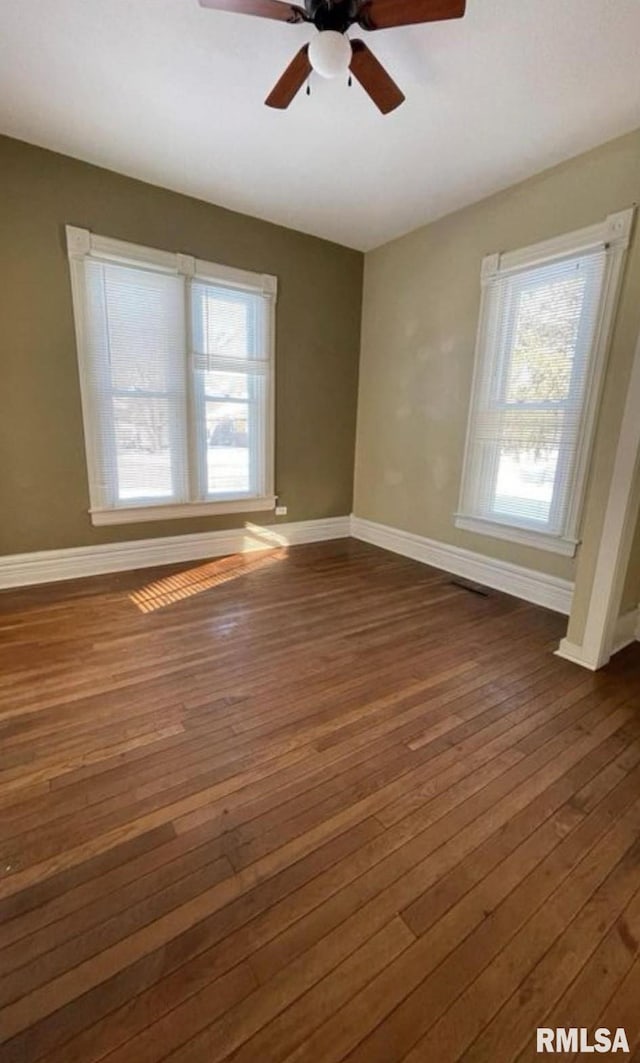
(229, 329)
(525, 427)
(226, 385)
(176, 376)
(544, 338)
(228, 435)
(527, 463)
(143, 455)
(144, 330)
(226, 322)
(524, 486)
(136, 325)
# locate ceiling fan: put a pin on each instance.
(331, 53)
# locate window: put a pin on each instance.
(176, 370)
(545, 320)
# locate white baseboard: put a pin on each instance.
(47, 566)
(627, 630)
(525, 583)
(574, 652)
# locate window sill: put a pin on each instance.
(539, 540)
(139, 514)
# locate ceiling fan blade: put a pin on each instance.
(262, 8)
(384, 14)
(374, 78)
(291, 81)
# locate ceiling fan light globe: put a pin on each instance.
(330, 54)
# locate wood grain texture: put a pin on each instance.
(374, 79)
(291, 81)
(333, 807)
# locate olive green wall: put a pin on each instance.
(43, 480)
(420, 314)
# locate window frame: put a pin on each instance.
(612, 236)
(81, 244)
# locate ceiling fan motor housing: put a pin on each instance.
(336, 16)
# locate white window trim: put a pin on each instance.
(138, 514)
(613, 235)
(81, 243)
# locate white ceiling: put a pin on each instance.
(172, 93)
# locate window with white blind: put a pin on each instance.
(545, 321)
(176, 369)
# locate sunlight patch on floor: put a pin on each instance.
(181, 585)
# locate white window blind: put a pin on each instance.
(135, 370)
(538, 366)
(177, 382)
(231, 366)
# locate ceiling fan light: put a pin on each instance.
(330, 54)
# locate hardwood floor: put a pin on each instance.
(309, 806)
